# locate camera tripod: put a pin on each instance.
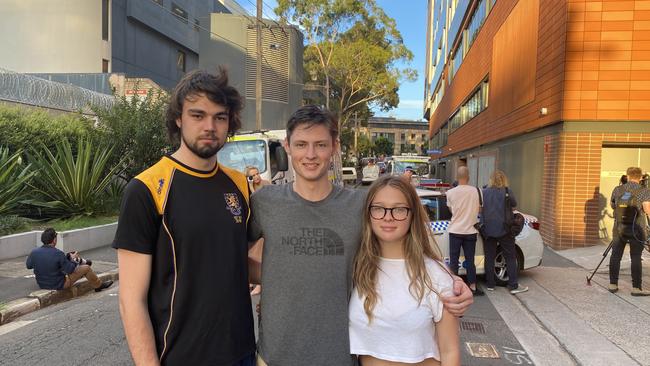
(646, 244)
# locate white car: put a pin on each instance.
(349, 175)
(370, 174)
(528, 243)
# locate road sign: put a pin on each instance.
(434, 151)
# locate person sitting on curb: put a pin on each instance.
(55, 271)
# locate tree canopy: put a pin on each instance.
(354, 49)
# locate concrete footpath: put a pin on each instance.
(562, 320)
(20, 295)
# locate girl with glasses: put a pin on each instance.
(396, 314)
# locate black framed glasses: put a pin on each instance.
(397, 213)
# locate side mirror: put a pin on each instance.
(282, 159)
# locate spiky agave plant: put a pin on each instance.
(68, 184)
(14, 176)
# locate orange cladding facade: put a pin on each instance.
(568, 80)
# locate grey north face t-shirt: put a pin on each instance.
(309, 249)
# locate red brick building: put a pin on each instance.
(556, 93)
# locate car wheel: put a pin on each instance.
(500, 268)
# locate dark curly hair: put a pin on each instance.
(215, 87)
(313, 115)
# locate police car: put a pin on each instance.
(528, 243)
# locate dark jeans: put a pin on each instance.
(246, 361)
(507, 244)
(468, 243)
(618, 246)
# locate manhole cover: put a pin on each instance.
(482, 350)
(472, 327)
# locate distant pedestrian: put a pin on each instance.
(396, 311)
(54, 270)
(464, 204)
(493, 219)
(255, 181)
(631, 205)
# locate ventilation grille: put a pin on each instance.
(275, 64)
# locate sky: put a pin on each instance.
(411, 19)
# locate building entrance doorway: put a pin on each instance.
(614, 162)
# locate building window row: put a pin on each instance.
(474, 105)
(476, 20)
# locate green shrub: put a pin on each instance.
(22, 127)
(136, 128)
(12, 224)
(66, 184)
(14, 176)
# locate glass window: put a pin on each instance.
(180, 61)
(240, 154)
(104, 66)
(180, 13)
(105, 13)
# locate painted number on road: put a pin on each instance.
(516, 356)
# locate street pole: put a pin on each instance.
(258, 81)
(356, 134)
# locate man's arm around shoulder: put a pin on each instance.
(135, 274)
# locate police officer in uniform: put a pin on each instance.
(631, 204)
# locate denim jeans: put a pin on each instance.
(468, 243)
(507, 244)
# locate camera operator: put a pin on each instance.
(631, 204)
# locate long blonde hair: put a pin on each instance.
(419, 244)
(498, 179)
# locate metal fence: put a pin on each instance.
(32, 90)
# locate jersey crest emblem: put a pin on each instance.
(161, 182)
(232, 203)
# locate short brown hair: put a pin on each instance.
(634, 173)
(215, 87)
(312, 115)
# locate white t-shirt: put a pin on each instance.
(401, 330)
(464, 204)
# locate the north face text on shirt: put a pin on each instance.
(314, 242)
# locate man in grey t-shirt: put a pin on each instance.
(311, 231)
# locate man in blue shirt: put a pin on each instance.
(54, 271)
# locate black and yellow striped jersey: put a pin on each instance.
(193, 224)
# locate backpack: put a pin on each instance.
(629, 217)
(515, 221)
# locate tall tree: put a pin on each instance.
(383, 146)
(354, 48)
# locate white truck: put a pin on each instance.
(261, 149)
(264, 150)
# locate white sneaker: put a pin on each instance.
(519, 289)
(490, 288)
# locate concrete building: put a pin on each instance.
(232, 42)
(155, 39)
(554, 93)
(407, 136)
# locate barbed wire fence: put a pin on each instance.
(35, 91)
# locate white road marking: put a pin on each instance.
(4, 329)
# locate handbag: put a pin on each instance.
(514, 221)
(479, 225)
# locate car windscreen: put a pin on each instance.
(419, 168)
(240, 154)
(436, 208)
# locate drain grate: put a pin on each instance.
(472, 327)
